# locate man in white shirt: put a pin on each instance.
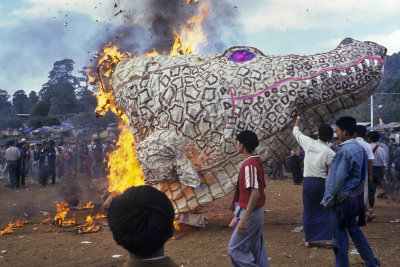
(317, 162)
(360, 134)
(378, 169)
(12, 155)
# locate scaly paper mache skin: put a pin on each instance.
(185, 111)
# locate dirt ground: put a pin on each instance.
(48, 245)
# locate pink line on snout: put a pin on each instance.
(297, 79)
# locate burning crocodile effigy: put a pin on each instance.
(185, 111)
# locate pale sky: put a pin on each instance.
(36, 33)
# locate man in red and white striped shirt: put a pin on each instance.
(246, 247)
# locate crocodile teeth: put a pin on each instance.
(375, 63)
(360, 66)
(343, 73)
(368, 62)
(329, 73)
(352, 69)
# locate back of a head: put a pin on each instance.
(374, 136)
(348, 124)
(325, 132)
(141, 220)
(361, 131)
(249, 139)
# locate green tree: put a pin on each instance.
(32, 100)
(5, 105)
(87, 102)
(59, 90)
(20, 102)
(89, 120)
(41, 109)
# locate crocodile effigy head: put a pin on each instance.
(185, 111)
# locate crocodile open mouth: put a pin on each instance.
(368, 63)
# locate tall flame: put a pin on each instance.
(124, 168)
(191, 36)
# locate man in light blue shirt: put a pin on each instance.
(344, 190)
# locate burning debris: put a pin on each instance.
(12, 226)
(88, 227)
(88, 206)
(45, 221)
(59, 219)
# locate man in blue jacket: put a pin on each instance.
(344, 190)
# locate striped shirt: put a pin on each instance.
(251, 176)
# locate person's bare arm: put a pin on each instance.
(254, 197)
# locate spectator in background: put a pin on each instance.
(396, 158)
(317, 162)
(22, 162)
(360, 135)
(390, 161)
(378, 170)
(294, 162)
(141, 221)
(36, 156)
(32, 159)
(12, 156)
(52, 160)
(97, 166)
(5, 172)
(69, 162)
(60, 162)
(44, 162)
(278, 170)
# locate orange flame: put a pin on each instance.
(14, 225)
(89, 226)
(190, 37)
(176, 226)
(59, 219)
(152, 53)
(88, 206)
(45, 221)
(124, 168)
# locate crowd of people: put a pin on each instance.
(339, 187)
(46, 159)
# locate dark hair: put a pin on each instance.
(347, 124)
(249, 139)
(394, 140)
(374, 136)
(325, 132)
(141, 220)
(361, 131)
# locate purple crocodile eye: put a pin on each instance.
(241, 56)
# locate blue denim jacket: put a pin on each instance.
(347, 171)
